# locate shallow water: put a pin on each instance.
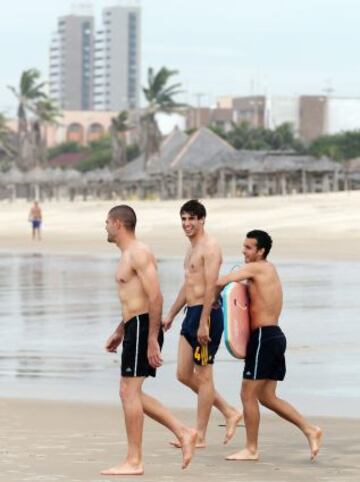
(56, 313)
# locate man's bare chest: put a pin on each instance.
(124, 273)
(194, 263)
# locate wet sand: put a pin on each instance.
(63, 441)
(58, 441)
(316, 226)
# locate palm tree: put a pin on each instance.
(160, 99)
(119, 127)
(7, 147)
(29, 92)
(45, 114)
(4, 137)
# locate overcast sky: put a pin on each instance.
(225, 47)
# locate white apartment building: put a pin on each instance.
(117, 59)
(97, 71)
(71, 63)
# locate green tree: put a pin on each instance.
(339, 147)
(45, 114)
(5, 144)
(244, 136)
(118, 129)
(219, 131)
(29, 92)
(160, 98)
(99, 155)
(64, 148)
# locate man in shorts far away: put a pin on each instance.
(142, 337)
(265, 358)
(35, 217)
(203, 325)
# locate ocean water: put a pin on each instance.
(56, 313)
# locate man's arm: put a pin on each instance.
(212, 262)
(144, 265)
(246, 272)
(115, 339)
(175, 308)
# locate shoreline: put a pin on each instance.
(74, 441)
(304, 227)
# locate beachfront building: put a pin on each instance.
(117, 59)
(311, 116)
(204, 165)
(189, 166)
(97, 69)
(71, 63)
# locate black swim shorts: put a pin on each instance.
(134, 360)
(203, 355)
(265, 354)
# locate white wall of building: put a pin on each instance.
(280, 110)
(342, 115)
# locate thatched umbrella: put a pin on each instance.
(12, 178)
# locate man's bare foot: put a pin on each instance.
(231, 424)
(314, 438)
(244, 454)
(199, 444)
(124, 469)
(188, 443)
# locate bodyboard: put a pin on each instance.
(236, 318)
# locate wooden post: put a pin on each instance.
(325, 183)
(283, 184)
(336, 179)
(221, 184)
(303, 181)
(233, 186)
(250, 184)
(180, 184)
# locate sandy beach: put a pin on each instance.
(316, 226)
(53, 441)
(70, 441)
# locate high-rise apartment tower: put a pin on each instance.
(71, 63)
(117, 59)
(101, 70)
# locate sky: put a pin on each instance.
(219, 47)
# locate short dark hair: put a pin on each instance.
(195, 208)
(263, 240)
(125, 214)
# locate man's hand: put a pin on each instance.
(217, 303)
(113, 342)
(167, 322)
(203, 334)
(153, 353)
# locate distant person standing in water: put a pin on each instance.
(35, 217)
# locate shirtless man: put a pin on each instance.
(265, 360)
(202, 327)
(35, 217)
(142, 337)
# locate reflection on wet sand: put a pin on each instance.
(57, 311)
